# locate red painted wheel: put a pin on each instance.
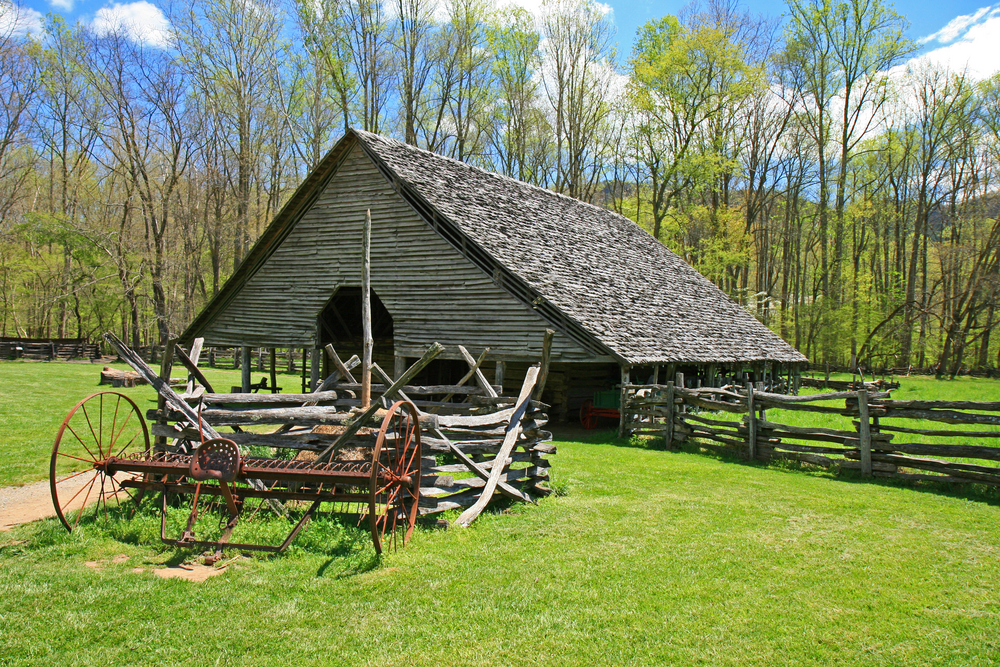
(395, 482)
(99, 427)
(588, 416)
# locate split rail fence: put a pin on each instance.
(944, 441)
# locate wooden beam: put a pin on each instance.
(474, 367)
(195, 356)
(274, 371)
(510, 439)
(245, 368)
(340, 366)
(366, 312)
(472, 371)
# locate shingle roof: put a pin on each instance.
(602, 271)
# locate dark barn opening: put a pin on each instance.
(340, 325)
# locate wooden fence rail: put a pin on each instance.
(865, 442)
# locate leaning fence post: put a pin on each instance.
(866, 434)
(751, 422)
(668, 435)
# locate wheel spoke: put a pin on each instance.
(80, 490)
(122, 429)
(92, 457)
(97, 439)
(85, 499)
(76, 474)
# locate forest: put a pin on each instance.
(840, 189)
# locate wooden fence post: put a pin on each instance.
(314, 360)
(622, 412)
(751, 422)
(274, 371)
(245, 368)
(864, 427)
(668, 436)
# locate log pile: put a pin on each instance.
(868, 441)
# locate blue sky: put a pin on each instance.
(964, 33)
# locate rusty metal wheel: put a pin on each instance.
(395, 480)
(101, 426)
(587, 416)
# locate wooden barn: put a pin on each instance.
(466, 257)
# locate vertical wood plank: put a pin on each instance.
(314, 359)
(751, 422)
(305, 365)
(866, 435)
(245, 368)
(274, 370)
(195, 356)
(399, 366)
(366, 312)
(161, 402)
(498, 376)
(622, 411)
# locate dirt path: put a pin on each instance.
(21, 504)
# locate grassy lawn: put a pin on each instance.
(650, 558)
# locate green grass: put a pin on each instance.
(650, 558)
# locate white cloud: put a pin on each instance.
(65, 5)
(956, 26)
(142, 21)
(19, 21)
(974, 48)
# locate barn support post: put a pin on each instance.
(498, 376)
(245, 368)
(274, 370)
(366, 312)
(314, 360)
(305, 365)
(751, 423)
(622, 412)
(864, 428)
(399, 366)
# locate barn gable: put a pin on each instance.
(430, 290)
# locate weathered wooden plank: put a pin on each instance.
(947, 416)
(477, 372)
(266, 399)
(368, 343)
(989, 406)
(940, 433)
(513, 430)
(957, 451)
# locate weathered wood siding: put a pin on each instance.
(432, 291)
